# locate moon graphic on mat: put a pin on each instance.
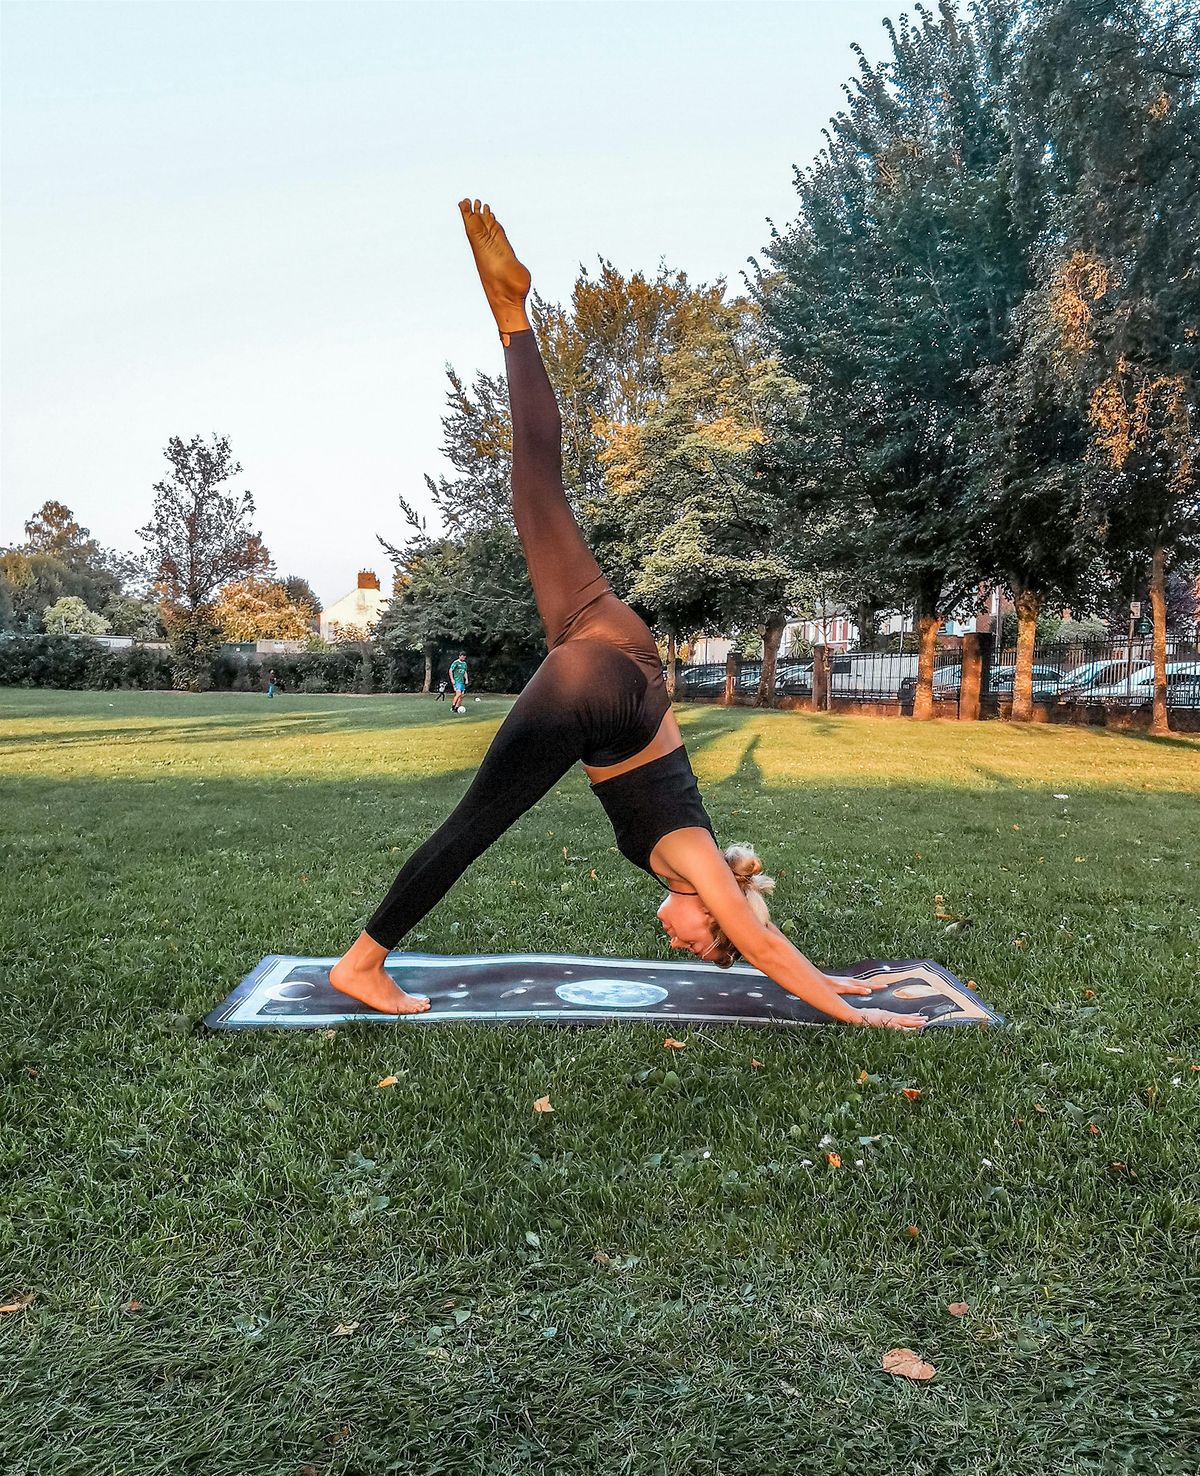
(612, 993)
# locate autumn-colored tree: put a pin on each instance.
(1114, 86)
(707, 548)
(260, 610)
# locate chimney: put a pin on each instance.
(367, 579)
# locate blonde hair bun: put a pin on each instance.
(748, 869)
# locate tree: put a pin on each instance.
(53, 530)
(886, 297)
(199, 538)
(36, 580)
(141, 619)
(70, 616)
(1114, 86)
(199, 535)
(711, 551)
(301, 593)
(259, 610)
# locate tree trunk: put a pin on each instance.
(671, 665)
(868, 625)
(772, 635)
(732, 662)
(428, 687)
(1029, 607)
(927, 632)
(1160, 718)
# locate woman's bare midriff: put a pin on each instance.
(666, 740)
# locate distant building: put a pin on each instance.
(357, 611)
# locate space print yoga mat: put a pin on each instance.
(295, 993)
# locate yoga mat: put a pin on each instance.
(295, 994)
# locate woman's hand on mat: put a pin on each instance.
(890, 1020)
(856, 986)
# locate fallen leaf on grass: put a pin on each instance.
(543, 1105)
(327, 1034)
(674, 1045)
(1093, 1129)
(344, 1329)
(388, 1081)
(910, 1094)
(756, 1064)
(1122, 1170)
(19, 1304)
(958, 1309)
(601, 1258)
(863, 1077)
(133, 1305)
(903, 1363)
(914, 1231)
(833, 1160)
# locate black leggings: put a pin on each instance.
(599, 695)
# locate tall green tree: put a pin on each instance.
(1114, 87)
(886, 297)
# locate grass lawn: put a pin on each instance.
(247, 1258)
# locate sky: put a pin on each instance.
(240, 218)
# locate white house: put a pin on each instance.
(360, 609)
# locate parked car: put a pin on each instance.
(793, 679)
(1077, 685)
(1138, 688)
(1046, 681)
(946, 680)
(707, 680)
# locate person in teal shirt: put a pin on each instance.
(458, 680)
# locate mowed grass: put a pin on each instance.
(245, 1257)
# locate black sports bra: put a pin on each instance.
(651, 801)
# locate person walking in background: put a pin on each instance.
(271, 683)
(458, 680)
(441, 692)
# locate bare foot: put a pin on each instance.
(505, 280)
(374, 987)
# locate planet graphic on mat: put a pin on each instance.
(292, 989)
(623, 994)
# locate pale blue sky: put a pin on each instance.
(241, 217)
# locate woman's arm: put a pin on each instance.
(693, 854)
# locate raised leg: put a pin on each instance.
(565, 576)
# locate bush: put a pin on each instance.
(76, 663)
(196, 647)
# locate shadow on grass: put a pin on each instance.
(244, 726)
(122, 891)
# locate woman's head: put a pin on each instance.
(689, 924)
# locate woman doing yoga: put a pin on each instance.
(598, 698)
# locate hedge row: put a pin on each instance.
(78, 663)
(73, 661)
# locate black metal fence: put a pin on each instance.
(1116, 674)
(1104, 673)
